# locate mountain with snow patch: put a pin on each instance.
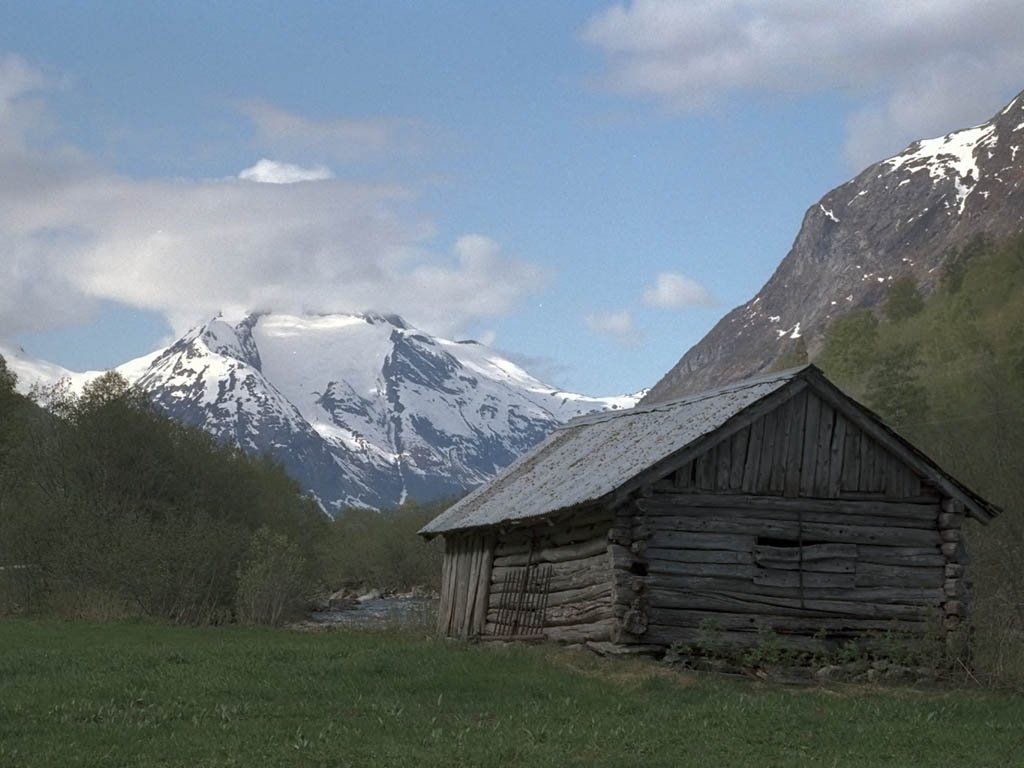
(362, 410)
(901, 216)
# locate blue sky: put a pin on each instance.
(589, 186)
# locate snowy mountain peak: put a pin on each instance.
(362, 409)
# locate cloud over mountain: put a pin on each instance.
(76, 232)
(273, 172)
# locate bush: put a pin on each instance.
(273, 580)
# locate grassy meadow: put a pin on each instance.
(150, 694)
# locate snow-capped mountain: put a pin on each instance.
(903, 215)
(362, 410)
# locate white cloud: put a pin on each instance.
(617, 324)
(17, 81)
(672, 290)
(272, 172)
(74, 233)
(920, 67)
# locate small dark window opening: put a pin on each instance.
(638, 569)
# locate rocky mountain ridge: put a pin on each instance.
(900, 216)
(362, 410)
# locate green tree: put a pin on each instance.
(903, 299)
(957, 262)
(893, 389)
(850, 345)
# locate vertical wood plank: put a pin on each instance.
(795, 441)
(464, 591)
(443, 612)
(866, 463)
(837, 454)
(782, 427)
(767, 459)
(826, 424)
(453, 573)
(892, 477)
(752, 465)
(681, 477)
(881, 470)
(851, 460)
(809, 455)
(706, 469)
(739, 458)
(483, 590)
(723, 463)
(779, 457)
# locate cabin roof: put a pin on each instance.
(594, 456)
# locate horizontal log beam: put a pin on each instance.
(554, 554)
(567, 615)
(810, 566)
(773, 577)
(872, 575)
(520, 542)
(913, 596)
(658, 563)
(737, 602)
(824, 532)
(560, 583)
(914, 556)
(602, 590)
(728, 503)
(578, 633)
(809, 608)
(699, 555)
(713, 541)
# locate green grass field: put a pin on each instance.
(75, 694)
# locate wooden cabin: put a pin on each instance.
(776, 503)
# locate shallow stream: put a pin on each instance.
(408, 612)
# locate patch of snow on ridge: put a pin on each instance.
(828, 213)
(949, 156)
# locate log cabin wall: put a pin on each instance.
(552, 581)
(799, 522)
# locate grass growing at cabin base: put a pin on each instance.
(74, 694)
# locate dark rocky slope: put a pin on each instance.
(901, 216)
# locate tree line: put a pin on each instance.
(108, 508)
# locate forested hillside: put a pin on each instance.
(108, 508)
(948, 373)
